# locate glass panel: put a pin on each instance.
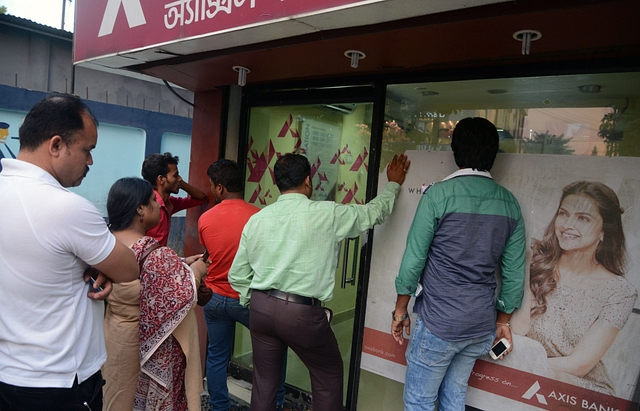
(335, 138)
(126, 144)
(579, 115)
(588, 115)
(10, 122)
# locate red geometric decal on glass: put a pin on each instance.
(255, 195)
(351, 194)
(286, 126)
(322, 177)
(360, 161)
(259, 160)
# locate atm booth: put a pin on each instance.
(351, 83)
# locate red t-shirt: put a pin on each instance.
(219, 230)
(175, 204)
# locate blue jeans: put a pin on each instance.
(438, 371)
(221, 314)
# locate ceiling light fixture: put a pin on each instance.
(354, 55)
(242, 74)
(526, 37)
(589, 88)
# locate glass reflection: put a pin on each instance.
(536, 115)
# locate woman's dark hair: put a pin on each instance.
(610, 252)
(125, 196)
(290, 171)
(475, 143)
(227, 173)
(55, 115)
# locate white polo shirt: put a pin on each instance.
(50, 331)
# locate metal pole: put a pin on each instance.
(64, 5)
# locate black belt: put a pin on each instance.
(292, 298)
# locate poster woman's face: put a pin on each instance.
(578, 224)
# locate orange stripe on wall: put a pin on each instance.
(381, 344)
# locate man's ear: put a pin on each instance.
(55, 145)
(160, 180)
(307, 181)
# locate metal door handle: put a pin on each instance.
(345, 262)
(354, 266)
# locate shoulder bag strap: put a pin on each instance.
(147, 252)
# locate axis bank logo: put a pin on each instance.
(533, 390)
(132, 11)
(571, 401)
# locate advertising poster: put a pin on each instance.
(10, 122)
(320, 142)
(601, 321)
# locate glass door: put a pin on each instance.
(335, 138)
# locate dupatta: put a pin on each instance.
(167, 295)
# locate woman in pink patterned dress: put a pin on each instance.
(153, 359)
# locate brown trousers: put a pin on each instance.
(275, 325)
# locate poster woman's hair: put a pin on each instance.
(610, 252)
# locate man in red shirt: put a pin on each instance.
(219, 230)
(161, 170)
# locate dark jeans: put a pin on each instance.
(278, 324)
(14, 398)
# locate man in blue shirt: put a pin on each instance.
(464, 228)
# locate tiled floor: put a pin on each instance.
(240, 395)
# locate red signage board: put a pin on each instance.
(105, 27)
(541, 392)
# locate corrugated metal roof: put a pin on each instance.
(30, 25)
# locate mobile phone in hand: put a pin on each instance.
(499, 348)
(96, 290)
(205, 256)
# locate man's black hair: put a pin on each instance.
(55, 115)
(290, 171)
(155, 165)
(475, 143)
(227, 173)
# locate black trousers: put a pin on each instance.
(275, 325)
(13, 398)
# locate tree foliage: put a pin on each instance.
(610, 133)
(547, 143)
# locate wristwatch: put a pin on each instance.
(399, 319)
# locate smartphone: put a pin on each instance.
(97, 290)
(499, 348)
(205, 256)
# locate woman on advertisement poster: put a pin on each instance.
(580, 299)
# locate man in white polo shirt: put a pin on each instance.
(51, 320)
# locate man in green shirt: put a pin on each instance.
(285, 265)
